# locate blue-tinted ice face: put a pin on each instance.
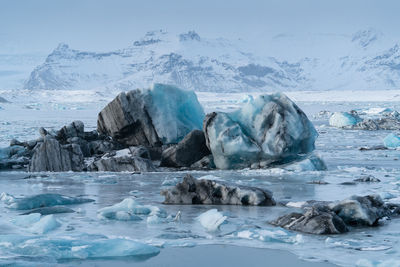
(175, 112)
(268, 128)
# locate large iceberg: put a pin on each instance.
(163, 114)
(267, 129)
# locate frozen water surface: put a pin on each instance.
(112, 227)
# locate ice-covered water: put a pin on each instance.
(86, 234)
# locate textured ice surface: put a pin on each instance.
(391, 141)
(269, 128)
(342, 119)
(45, 200)
(129, 210)
(45, 224)
(174, 112)
(211, 219)
(74, 247)
(27, 220)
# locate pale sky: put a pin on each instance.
(38, 26)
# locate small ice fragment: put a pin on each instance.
(298, 204)
(391, 141)
(342, 119)
(26, 220)
(211, 219)
(45, 224)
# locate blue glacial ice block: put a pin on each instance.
(77, 247)
(174, 112)
(45, 200)
(391, 141)
(267, 129)
(343, 119)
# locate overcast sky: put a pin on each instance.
(38, 26)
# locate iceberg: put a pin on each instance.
(211, 220)
(44, 200)
(391, 141)
(163, 114)
(267, 129)
(343, 119)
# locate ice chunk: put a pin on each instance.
(269, 128)
(7, 198)
(45, 200)
(391, 141)
(342, 119)
(128, 210)
(211, 220)
(45, 224)
(312, 163)
(78, 247)
(269, 235)
(27, 220)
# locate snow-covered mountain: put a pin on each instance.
(362, 61)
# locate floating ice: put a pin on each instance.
(128, 210)
(45, 224)
(342, 119)
(211, 219)
(391, 141)
(45, 200)
(79, 247)
(269, 235)
(26, 220)
(312, 163)
(7, 198)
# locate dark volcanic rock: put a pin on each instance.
(205, 163)
(321, 217)
(74, 129)
(194, 191)
(188, 151)
(52, 156)
(357, 210)
(127, 120)
(313, 221)
(120, 161)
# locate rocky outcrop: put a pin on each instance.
(126, 119)
(188, 151)
(123, 161)
(50, 155)
(195, 191)
(16, 156)
(313, 221)
(336, 217)
(151, 117)
(269, 129)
